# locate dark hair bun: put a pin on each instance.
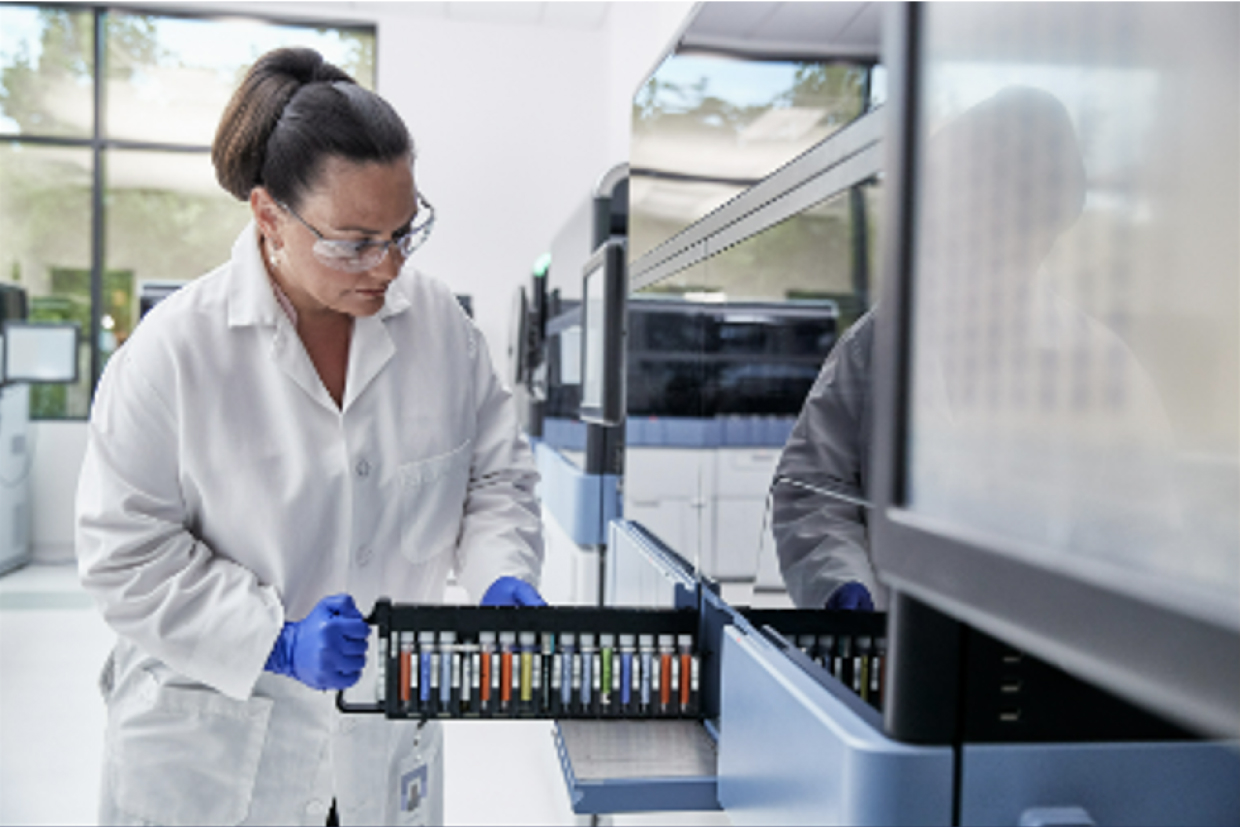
(292, 110)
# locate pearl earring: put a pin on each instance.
(276, 257)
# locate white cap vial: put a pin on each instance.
(568, 640)
(426, 638)
(626, 641)
(587, 641)
(645, 641)
(666, 641)
(486, 638)
(507, 638)
(528, 639)
(685, 642)
(607, 641)
(447, 638)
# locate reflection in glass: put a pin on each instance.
(1076, 362)
(46, 69)
(44, 236)
(705, 128)
(169, 78)
(168, 220)
(809, 256)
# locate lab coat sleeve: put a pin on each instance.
(822, 542)
(501, 530)
(157, 584)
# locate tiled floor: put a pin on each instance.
(52, 644)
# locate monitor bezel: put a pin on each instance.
(608, 264)
(6, 353)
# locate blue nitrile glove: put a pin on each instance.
(512, 591)
(327, 649)
(852, 596)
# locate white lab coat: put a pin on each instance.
(224, 492)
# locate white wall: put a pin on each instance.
(515, 117)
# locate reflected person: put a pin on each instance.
(822, 538)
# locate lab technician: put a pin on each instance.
(305, 429)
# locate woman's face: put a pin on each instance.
(351, 202)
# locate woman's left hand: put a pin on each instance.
(512, 591)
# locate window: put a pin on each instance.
(106, 180)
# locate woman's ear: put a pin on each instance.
(267, 215)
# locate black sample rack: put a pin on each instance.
(533, 662)
(851, 646)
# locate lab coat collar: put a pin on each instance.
(251, 300)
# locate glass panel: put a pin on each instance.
(45, 232)
(167, 220)
(1076, 359)
(46, 70)
(169, 78)
(705, 128)
(806, 257)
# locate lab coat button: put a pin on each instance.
(363, 468)
(363, 555)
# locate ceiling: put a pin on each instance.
(787, 30)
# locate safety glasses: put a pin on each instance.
(360, 256)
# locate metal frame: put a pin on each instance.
(98, 144)
(1175, 664)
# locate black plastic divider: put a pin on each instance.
(530, 695)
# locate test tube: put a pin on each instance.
(428, 673)
(469, 679)
(843, 659)
(555, 704)
(528, 641)
(507, 641)
(649, 677)
(589, 675)
(381, 665)
(607, 646)
(547, 664)
(826, 649)
(449, 675)
(486, 650)
(628, 676)
(861, 668)
(568, 665)
(575, 694)
(876, 672)
(688, 675)
(408, 675)
(667, 648)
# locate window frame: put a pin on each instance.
(99, 144)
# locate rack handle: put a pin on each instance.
(380, 616)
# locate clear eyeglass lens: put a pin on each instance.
(349, 257)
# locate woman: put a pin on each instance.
(297, 433)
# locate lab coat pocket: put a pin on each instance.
(182, 756)
(432, 503)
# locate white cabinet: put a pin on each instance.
(708, 504)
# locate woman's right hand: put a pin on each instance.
(326, 650)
